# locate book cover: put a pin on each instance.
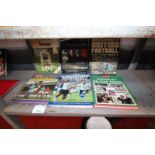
(46, 56)
(3, 63)
(75, 56)
(112, 92)
(37, 90)
(104, 56)
(73, 89)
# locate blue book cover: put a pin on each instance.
(72, 89)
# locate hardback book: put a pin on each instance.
(104, 56)
(75, 55)
(38, 89)
(3, 63)
(111, 92)
(46, 55)
(73, 90)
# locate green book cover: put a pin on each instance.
(46, 55)
(73, 89)
(47, 60)
(111, 91)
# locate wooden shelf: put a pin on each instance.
(39, 32)
(139, 89)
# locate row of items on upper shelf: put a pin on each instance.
(99, 56)
(76, 90)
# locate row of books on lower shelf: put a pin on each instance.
(76, 90)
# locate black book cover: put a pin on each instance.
(75, 55)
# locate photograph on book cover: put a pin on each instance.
(72, 89)
(37, 90)
(104, 56)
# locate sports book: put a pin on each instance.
(104, 56)
(111, 92)
(3, 63)
(75, 56)
(46, 56)
(37, 90)
(72, 89)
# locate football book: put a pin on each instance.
(73, 90)
(46, 56)
(38, 89)
(3, 63)
(111, 92)
(104, 56)
(75, 56)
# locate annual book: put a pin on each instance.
(46, 56)
(75, 55)
(111, 91)
(72, 90)
(3, 63)
(38, 89)
(104, 56)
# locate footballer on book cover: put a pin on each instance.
(3, 63)
(73, 89)
(75, 55)
(104, 56)
(111, 92)
(37, 90)
(46, 56)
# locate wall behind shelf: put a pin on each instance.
(147, 61)
(19, 56)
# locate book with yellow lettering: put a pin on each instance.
(38, 89)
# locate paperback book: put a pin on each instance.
(37, 90)
(46, 56)
(104, 56)
(111, 92)
(75, 56)
(73, 90)
(3, 63)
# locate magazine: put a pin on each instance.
(112, 92)
(72, 89)
(37, 90)
(46, 56)
(104, 55)
(75, 56)
(3, 63)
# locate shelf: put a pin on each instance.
(139, 89)
(29, 32)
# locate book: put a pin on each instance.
(111, 92)
(46, 56)
(3, 63)
(73, 90)
(75, 56)
(104, 56)
(6, 86)
(38, 89)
